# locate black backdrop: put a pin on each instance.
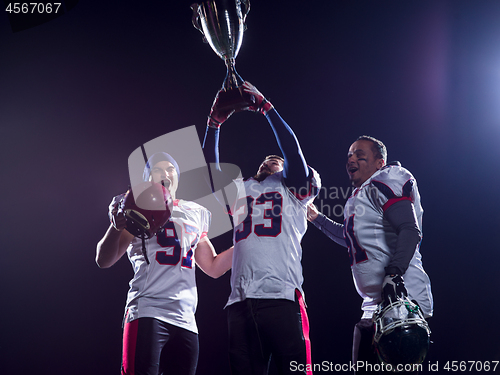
(79, 93)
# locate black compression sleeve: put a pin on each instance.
(332, 229)
(402, 218)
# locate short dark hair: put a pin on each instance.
(378, 147)
(274, 157)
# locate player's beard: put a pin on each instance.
(262, 175)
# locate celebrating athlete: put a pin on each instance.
(266, 311)
(382, 231)
(160, 333)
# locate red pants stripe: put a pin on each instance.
(305, 330)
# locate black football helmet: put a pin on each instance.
(150, 211)
(402, 335)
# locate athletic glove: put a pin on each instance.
(259, 103)
(115, 213)
(220, 111)
(393, 288)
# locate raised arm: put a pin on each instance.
(211, 144)
(218, 115)
(295, 170)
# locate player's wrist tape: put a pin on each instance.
(212, 123)
(264, 107)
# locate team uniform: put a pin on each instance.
(371, 240)
(270, 222)
(266, 310)
(266, 301)
(371, 243)
(159, 322)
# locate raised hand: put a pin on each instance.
(258, 102)
(221, 110)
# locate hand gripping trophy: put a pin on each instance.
(222, 23)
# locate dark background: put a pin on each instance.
(79, 93)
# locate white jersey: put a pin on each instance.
(270, 221)
(166, 288)
(372, 241)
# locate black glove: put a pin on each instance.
(393, 288)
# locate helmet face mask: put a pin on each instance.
(147, 214)
(401, 333)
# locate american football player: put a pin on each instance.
(266, 311)
(159, 329)
(382, 231)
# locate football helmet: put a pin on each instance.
(150, 211)
(402, 335)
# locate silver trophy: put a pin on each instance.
(222, 23)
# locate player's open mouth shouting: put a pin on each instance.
(166, 183)
(351, 169)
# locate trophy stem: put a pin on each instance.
(232, 94)
(233, 79)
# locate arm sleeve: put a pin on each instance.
(211, 153)
(333, 230)
(402, 218)
(295, 170)
(217, 180)
(211, 146)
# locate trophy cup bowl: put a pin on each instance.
(222, 23)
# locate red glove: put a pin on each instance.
(220, 111)
(244, 98)
(260, 103)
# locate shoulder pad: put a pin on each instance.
(394, 181)
(189, 205)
